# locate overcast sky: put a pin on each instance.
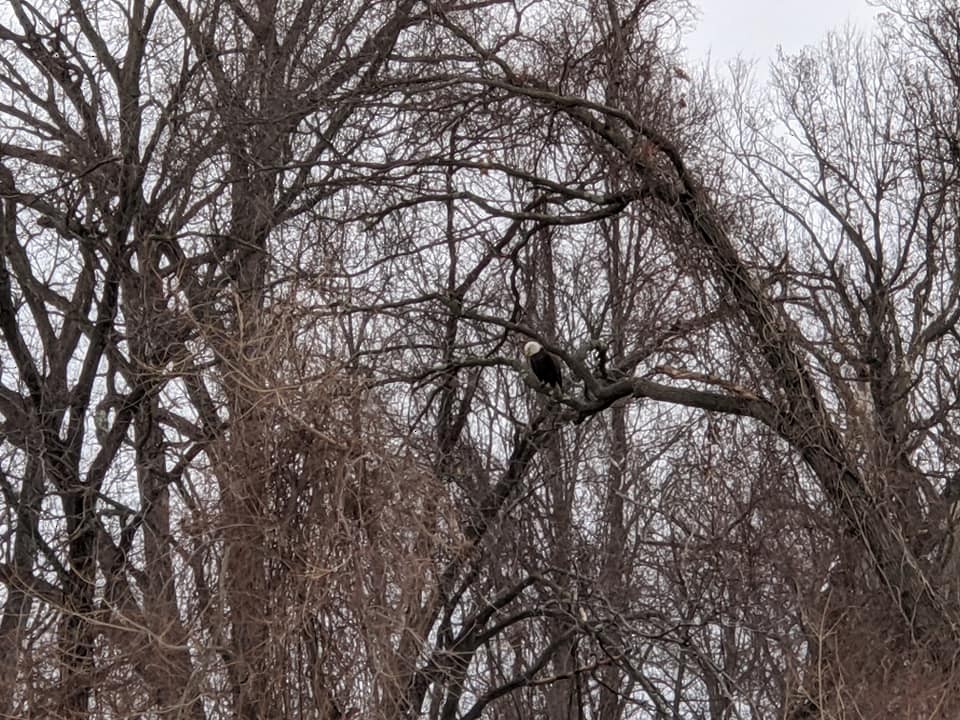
(754, 28)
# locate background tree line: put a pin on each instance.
(269, 449)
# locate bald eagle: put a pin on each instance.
(544, 365)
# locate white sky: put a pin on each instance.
(754, 28)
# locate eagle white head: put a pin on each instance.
(532, 348)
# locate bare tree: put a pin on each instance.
(856, 158)
(149, 156)
(268, 446)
